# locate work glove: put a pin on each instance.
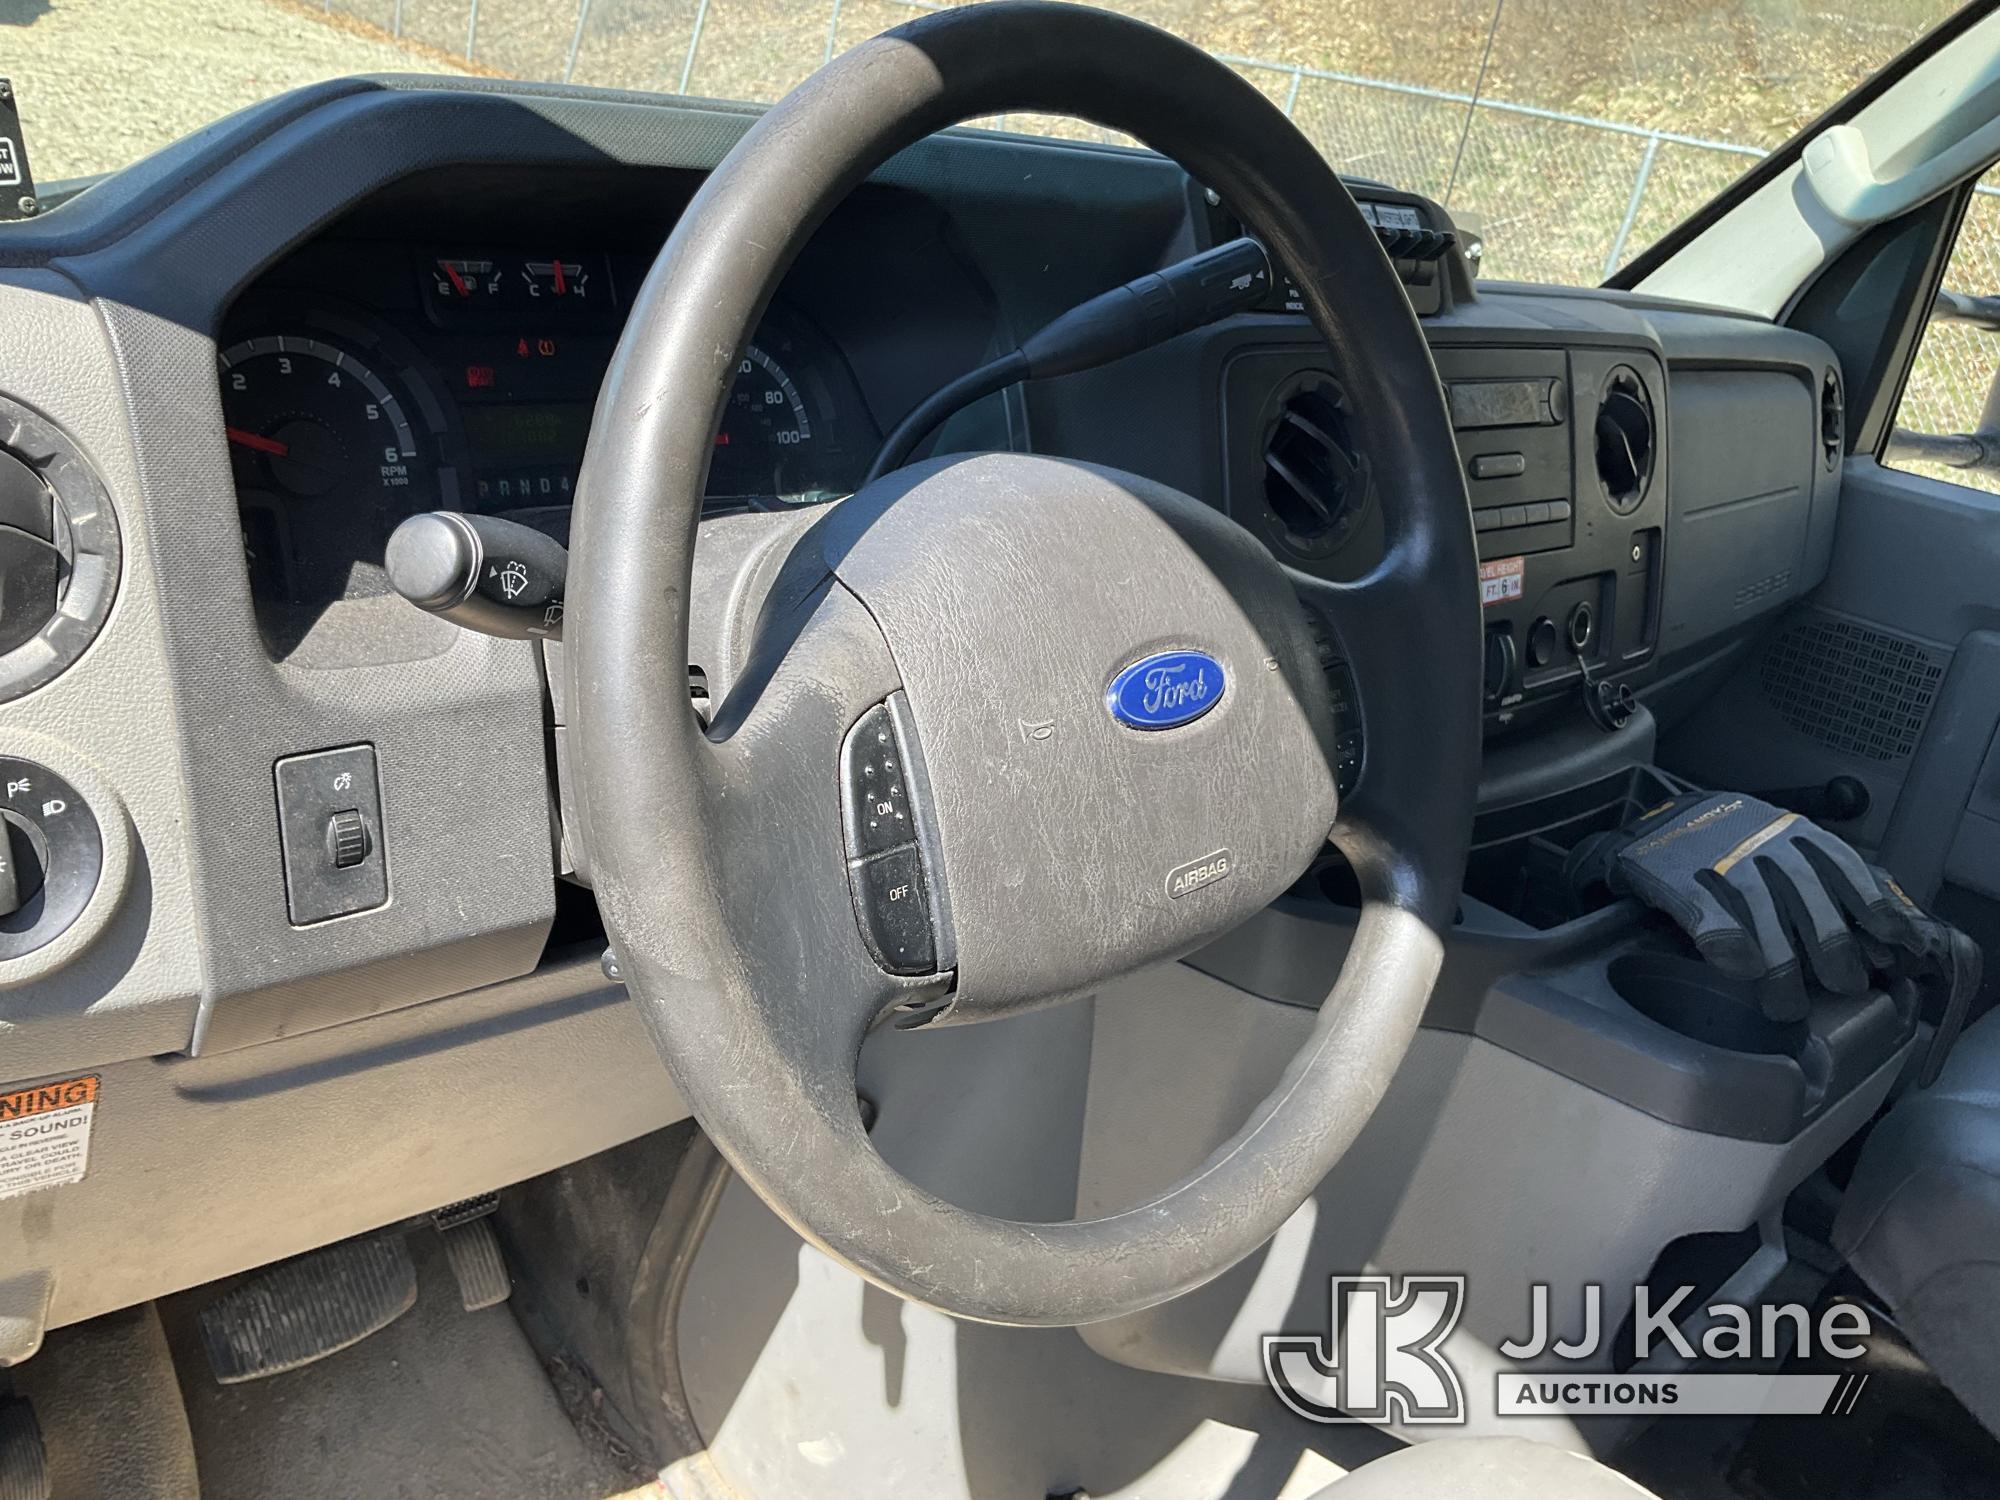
(1767, 896)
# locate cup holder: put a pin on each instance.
(1691, 998)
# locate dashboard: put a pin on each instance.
(233, 368)
(424, 352)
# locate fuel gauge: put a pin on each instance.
(523, 293)
(454, 280)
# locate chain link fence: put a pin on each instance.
(1959, 357)
(1557, 197)
(1561, 197)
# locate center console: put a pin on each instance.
(1567, 479)
(1586, 1105)
(1561, 426)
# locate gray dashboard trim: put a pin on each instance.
(159, 252)
(202, 1167)
(110, 718)
(150, 260)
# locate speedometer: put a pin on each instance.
(765, 444)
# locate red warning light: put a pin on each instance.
(478, 377)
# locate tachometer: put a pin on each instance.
(328, 458)
(765, 446)
(310, 421)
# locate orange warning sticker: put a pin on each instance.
(44, 1097)
(45, 1134)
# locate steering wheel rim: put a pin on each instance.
(743, 1012)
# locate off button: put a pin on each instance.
(894, 912)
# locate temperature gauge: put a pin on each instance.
(555, 278)
(520, 293)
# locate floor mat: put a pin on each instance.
(104, 1397)
(442, 1403)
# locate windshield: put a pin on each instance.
(1566, 136)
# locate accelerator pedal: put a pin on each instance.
(306, 1309)
(24, 1469)
(473, 1250)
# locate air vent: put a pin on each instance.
(1625, 437)
(1315, 482)
(1832, 419)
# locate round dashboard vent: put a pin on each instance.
(1315, 481)
(59, 551)
(1832, 419)
(1625, 437)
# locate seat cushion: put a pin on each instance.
(1486, 1468)
(1921, 1220)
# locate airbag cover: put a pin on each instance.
(1013, 592)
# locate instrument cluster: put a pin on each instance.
(363, 384)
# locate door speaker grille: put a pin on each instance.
(1851, 688)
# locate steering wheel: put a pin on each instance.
(965, 627)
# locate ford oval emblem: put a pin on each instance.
(1174, 687)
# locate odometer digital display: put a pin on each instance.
(526, 455)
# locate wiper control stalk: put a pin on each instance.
(482, 572)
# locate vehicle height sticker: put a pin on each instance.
(1502, 579)
(45, 1134)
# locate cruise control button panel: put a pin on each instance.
(887, 869)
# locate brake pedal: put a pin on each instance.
(24, 1469)
(306, 1309)
(473, 1250)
